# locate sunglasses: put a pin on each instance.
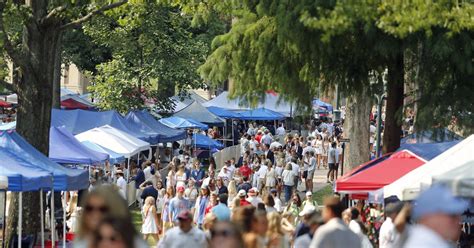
(222, 233)
(101, 209)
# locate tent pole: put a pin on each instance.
(233, 139)
(53, 228)
(64, 219)
(20, 218)
(4, 219)
(128, 168)
(42, 218)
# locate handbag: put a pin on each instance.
(301, 185)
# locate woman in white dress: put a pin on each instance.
(180, 176)
(271, 178)
(150, 219)
(319, 149)
(324, 152)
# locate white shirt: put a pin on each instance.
(288, 177)
(355, 227)
(295, 168)
(122, 185)
(266, 139)
(335, 234)
(308, 149)
(254, 200)
(147, 172)
(423, 237)
(262, 172)
(332, 156)
(312, 163)
(176, 238)
(278, 204)
(280, 131)
(388, 235)
(302, 241)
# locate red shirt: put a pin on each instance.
(258, 138)
(244, 202)
(245, 171)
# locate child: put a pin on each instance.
(150, 219)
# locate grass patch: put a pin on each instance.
(319, 195)
(136, 218)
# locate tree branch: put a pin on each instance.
(53, 13)
(87, 17)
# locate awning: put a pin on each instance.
(380, 175)
(178, 122)
(261, 114)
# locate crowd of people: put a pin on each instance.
(264, 198)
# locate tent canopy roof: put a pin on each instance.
(22, 175)
(114, 157)
(66, 149)
(197, 112)
(204, 142)
(179, 122)
(224, 113)
(148, 122)
(63, 178)
(428, 151)
(408, 186)
(384, 173)
(78, 121)
(460, 180)
(261, 114)
(270, 101)
(114, 140)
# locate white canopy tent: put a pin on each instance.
(409, 186)
(114, 140)
(460, 180)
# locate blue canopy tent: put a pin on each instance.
(224, 113)
(64, 148)
(22, 176)
(431, 136)
(114, 158)
(428, 151)
(261, 114)
(318, 105)
(78, 121)
(178, 122)
(145, 119)
(64, 179)
(197, 112)
(8, 126)
(204, 142)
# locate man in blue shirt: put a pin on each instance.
(178, 204)
(221, 210)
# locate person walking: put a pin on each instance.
(222, 211)
(332, 159)
(334, 233)
(288, 176)
(178, 204)
(184, 235)
(438, 214)
(150, 224)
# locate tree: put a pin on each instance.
(155, 52)
(31, 33)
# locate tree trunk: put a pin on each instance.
(34, 105)
(394, 108)
(57, 76)
(356, 128)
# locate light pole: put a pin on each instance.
(380, 99)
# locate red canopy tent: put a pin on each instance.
(4, 104)
(73, 104)
(373, 176)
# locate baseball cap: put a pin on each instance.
(308, 209)
(273, 191)
(309, 193)
(252, 191)
(438, 199)
(185, 215)
(180, 188)
(242, 192)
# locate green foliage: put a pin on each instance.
(154, 49)
(296, 47)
